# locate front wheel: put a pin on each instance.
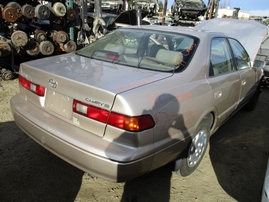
(197, 148)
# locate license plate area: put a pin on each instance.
(59, 103)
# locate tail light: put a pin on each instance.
(90, 111)
(135, 124)
(37, 89)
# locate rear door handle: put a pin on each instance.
(217, 94)
(244, 82)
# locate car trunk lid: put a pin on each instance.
(72, 77)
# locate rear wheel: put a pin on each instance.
(196, 150)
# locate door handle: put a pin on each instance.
(217, 94)
(244, 82)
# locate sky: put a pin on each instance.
(254, 7)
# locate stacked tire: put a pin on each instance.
(30, 30)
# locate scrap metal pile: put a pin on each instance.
(35, 28)
(30, 29)
(188, 9)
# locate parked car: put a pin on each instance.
(262, 59)
(112, 5)
(265, 68)
(265, 79)
(136, 99)
(188, 9)
(151, 6)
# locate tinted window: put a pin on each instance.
(220, 57)
(240, 54)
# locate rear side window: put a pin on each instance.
(220, 57)
(240, 54)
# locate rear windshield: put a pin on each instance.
(147, 49)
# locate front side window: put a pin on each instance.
(240, 54)
(147, 49)
(220, 57)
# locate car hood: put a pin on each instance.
(113, 78)
(249, 32)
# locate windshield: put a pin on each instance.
(147, 49)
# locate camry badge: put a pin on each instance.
(98, 103)
(53, 83)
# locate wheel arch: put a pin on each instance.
(180, 165)
(209, 114)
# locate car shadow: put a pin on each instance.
(170, 127)
(239, 151)
(146, 187)
(28, 172)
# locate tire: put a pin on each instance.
(7, 75)
(19, 38)
(46, 47)
(42, 12)
(251, 104)
(197, 148)
(59, 9)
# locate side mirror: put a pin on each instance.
(259, 63)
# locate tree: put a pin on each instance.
(160, 6)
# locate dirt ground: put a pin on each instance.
(232, 170)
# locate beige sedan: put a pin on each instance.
(136, 99)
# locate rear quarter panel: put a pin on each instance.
(177, 104)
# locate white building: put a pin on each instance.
(229, 13)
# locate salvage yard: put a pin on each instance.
(232, 170)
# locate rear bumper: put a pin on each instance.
(90, 154)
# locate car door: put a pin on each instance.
(223, 79)
(246, 72)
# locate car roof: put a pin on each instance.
(249, 33)
(173, 29)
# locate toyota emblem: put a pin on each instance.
(53, 83)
